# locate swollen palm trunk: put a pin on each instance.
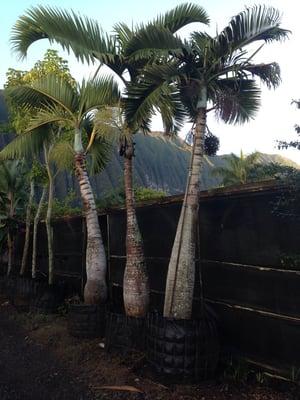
(135, 283)
(181, 272)
(95, 290)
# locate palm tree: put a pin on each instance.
(27, 224)
(30, 146)
(13, 189)
(238, 170)
(87, 41)
(204, 73)
(61, 103)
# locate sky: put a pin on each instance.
(274, 121)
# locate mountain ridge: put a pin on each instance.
(160, 163)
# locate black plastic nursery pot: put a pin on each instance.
(123, 333)
(86, 321)
(182, 350)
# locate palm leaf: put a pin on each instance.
(236, 101)
(124, 34)
(48, 91)
(156, 90)
(253, 24)
(50, 114)
(81, 35)
(269, 74)
(181, 16)
(62, 155)
(96, 93)
(153, 41)
(172, 111)
(99, 154)
(26, 145)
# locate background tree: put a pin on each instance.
(238, 170)
(13, 194)
(287, 202)
(32, 146)
(203, 73)
(282, 144)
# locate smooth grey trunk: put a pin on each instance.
(27, 229)
(135, 282)
(95, 291)
(35, 229)
(181, 271)
(49, 216)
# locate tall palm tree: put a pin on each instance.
(238, 169)
(205, 73)
(87, 41)
(70, 106)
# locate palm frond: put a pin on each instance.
(236, 101)
(83, 36)
(49, 114)
(152, 92)
(153, 41)
(99, 154)
(96, 93)
(252, 159)
(181, 16)
(172, 111)
(62, 155)
(269, 74)
(47, 91)
(26, 145)
(202, 40)
(124, 34)
(27, 98)
(253, 24)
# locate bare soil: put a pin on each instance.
(39, 360)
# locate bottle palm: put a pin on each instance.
(204, 73)
(61, 103)
(86, 40)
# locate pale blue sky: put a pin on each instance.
(276, 118)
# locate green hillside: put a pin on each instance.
(160, 163)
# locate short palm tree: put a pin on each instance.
(205, 73)
(238, 170)
(85, 38)
(13, 195)
(62, 103)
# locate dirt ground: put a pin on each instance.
(39, 360)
